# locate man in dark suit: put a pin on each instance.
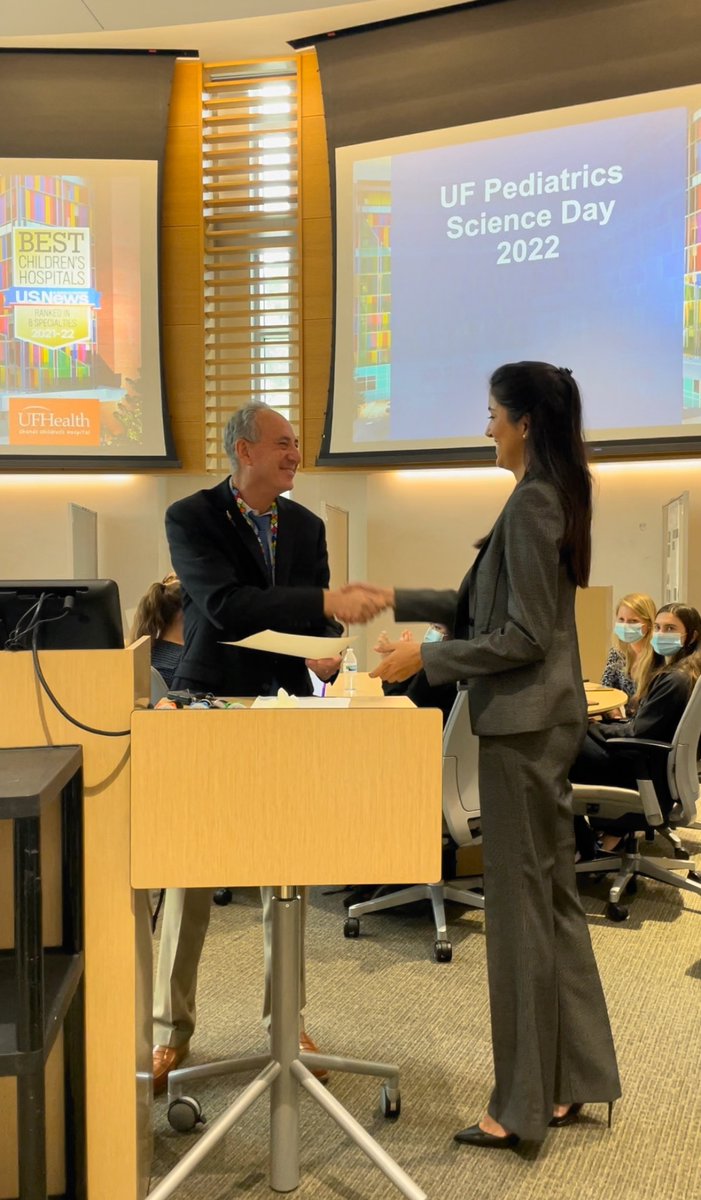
(248, 559)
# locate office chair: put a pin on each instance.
(159, 687)
(461, 815)
(668, 783)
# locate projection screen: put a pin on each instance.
(81, 153)
(567, 233)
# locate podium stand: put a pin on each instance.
(101, 689)
(310, 795)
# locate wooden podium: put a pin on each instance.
(288, 797)
(100, 688)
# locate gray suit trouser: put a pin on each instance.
(186, 913)
(551, 1036)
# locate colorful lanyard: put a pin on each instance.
(244, 509)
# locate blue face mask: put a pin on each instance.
(433, 634)
(628, 633)
(666, 644)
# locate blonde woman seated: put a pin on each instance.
(631, 659)
(159, 615)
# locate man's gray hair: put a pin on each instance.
(243, 424)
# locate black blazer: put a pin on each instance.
(514, 637)
(227, 594)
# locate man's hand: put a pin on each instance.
(356, 604)
(382, 595)
(324, 668)
(400, 661)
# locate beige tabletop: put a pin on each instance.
(603, 699)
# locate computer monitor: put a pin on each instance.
(68, 614)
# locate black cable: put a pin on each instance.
(68, 604)
(25, 625)
(157, 909)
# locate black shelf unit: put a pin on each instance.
(42, 989)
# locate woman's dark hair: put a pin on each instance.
(555, 449)
(688, 659)
(157, 608)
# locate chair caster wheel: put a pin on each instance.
(351, 927)
(443, 951)
(222, 897)
(617, 912)
(184, 1114)
(390, 1105)
(682, 854)
(694, 876)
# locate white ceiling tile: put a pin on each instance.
(127, 24)
(23, 19)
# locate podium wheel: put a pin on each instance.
(351, 927)
(390, 1103)
(184, 1114)
(222, 897)
(443, 951)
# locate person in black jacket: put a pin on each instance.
(248, 559)
(676, 641)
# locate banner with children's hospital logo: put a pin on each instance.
(79, 331)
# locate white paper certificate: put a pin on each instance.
(299, 645)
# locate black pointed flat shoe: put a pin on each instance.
(475, 1136)
(567, 1118)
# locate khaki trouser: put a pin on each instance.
(186, 913)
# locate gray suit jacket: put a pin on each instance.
(514, 640)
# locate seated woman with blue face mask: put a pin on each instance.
(676, 642)
(631, 658)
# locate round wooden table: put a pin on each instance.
(603, 699)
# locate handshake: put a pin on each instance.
(357, 603)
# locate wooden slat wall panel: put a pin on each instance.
(252, 306)
(182, 256)
(317, 266)
(199, 409)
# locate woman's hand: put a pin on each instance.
(400, 661)
(383, 644)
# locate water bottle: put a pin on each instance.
(348, 670)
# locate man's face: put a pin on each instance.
(270, 463)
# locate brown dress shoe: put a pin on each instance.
(307, 1046)
(165, 1060)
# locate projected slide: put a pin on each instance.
(570, 236)
(79, 343)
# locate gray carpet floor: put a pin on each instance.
(384, 997)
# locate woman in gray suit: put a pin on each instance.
(514, 646)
